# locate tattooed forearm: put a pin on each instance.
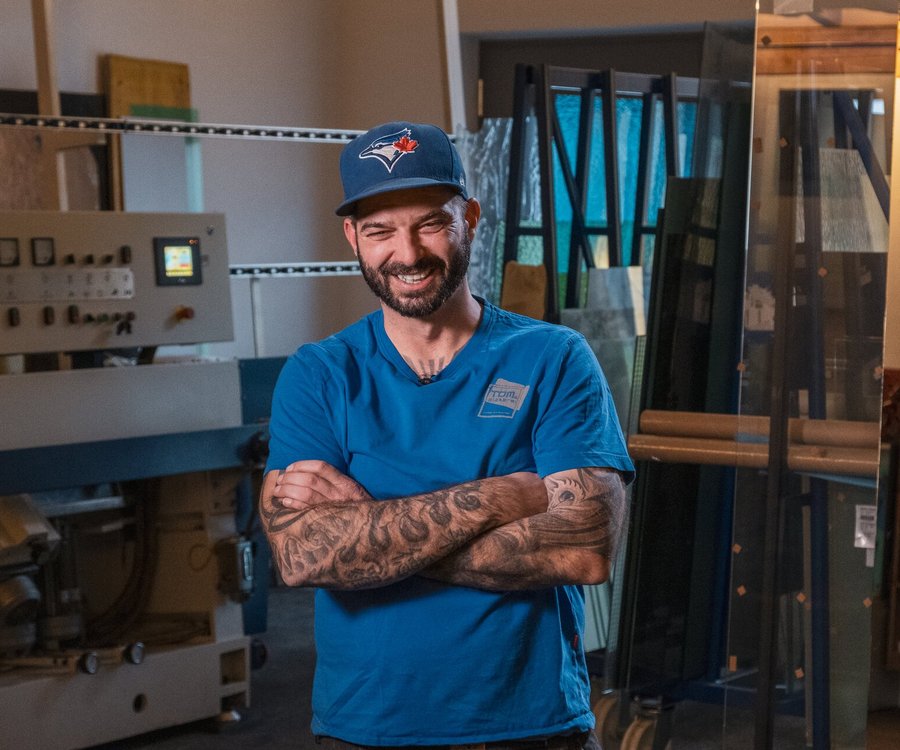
(368, 543)
(573, 542)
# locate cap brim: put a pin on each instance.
(389, 186)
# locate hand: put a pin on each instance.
(531, 491)
(307, 483)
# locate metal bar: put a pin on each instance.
(864, 99)
(627, 84)
(577, 201)
(670, 116)
(543, 101)
(282, 270)
(177, 128)
(819, 668)
(611, 168)
(643, 177)
(523, 86)
(840, 128)
(863, 145)
(578, 238)
(776, 464)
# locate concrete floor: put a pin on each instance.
(280, 715)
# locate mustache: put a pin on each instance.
(420, 266)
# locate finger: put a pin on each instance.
(334, 483)
(270, 482)
(319, 468)
(313, 482)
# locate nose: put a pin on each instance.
(406, 249)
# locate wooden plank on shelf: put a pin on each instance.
(817, 49)
(132, 83)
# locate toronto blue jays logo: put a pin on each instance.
(389, 149)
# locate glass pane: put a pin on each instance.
(687, 118)
(597, 214)
(656, 188)
(757, 482)
(801, 585)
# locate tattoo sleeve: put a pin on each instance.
(370, 543)
(573, 542)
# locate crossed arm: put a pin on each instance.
(500, 533)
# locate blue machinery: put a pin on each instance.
(126, 500)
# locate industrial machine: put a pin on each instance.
(122, 570)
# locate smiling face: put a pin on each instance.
(413, 247)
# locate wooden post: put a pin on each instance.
(45, 59)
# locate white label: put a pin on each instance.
(864, 538)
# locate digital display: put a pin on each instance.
(177, 260)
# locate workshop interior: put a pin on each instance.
(707, 200)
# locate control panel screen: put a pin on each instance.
(177, 260)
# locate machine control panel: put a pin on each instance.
(75, 281)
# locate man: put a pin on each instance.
(446, 474)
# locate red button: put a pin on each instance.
(184, 313)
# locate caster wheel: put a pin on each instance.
(640, 735)
(606, 714)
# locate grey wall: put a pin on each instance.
(342, 64)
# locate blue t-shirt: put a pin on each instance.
(419, 661)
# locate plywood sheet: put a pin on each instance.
(132, 81)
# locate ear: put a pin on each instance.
(472, 215)
(350, 234)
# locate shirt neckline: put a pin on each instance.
(387, 349)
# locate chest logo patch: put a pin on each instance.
(503, 399)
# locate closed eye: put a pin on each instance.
(435, 222)
(376, 235)
(376, 232)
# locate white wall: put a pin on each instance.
(343, 64)
(337, 64)
(503, 17)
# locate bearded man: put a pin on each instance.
(447, 475)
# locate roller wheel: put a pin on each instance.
(640, 735)
(606, 714)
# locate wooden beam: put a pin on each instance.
(822, 49)
(45, 57)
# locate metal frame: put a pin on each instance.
(535, 90)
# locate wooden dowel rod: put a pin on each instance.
(732, 426)
(825, 459)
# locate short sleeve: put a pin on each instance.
(303, 423)
(577, 424)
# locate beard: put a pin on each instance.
(419, 304)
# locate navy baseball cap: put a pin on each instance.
(397, 156)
